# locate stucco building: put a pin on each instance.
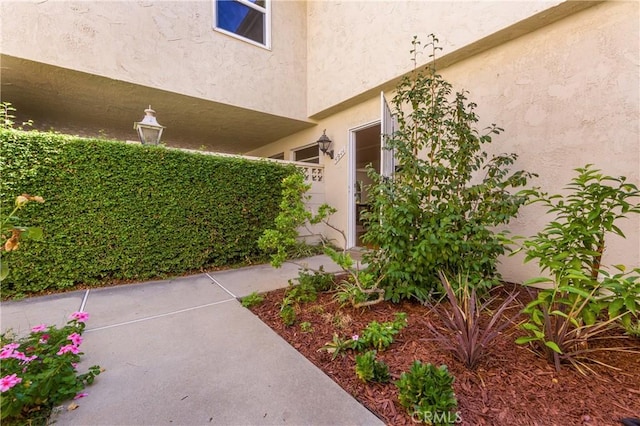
(266, 77)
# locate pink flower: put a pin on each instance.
(44, 338)
(39, 328)
(75, 338)
(68, 348)
(355, 337)
(26, 359)
(19, 355)
(7, 382)
(80, 395)
(11, 346)
(80, 316)
(6, 353)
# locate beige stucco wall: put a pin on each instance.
(357, 45)
(166, 45)
(567, 95)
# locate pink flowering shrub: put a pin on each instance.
(39, 371)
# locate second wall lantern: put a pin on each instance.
(324, 143)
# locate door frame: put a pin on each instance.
(351, 194)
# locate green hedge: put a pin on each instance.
(115, 211)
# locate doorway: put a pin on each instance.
(365, 152)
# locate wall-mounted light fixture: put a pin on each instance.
(324, 143)
(149, 130)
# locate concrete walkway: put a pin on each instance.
(185, 352)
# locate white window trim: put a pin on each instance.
(266, 10)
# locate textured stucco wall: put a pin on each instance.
(357, 45)
(166, 45)
(566, 94)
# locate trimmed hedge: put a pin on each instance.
(115, 211)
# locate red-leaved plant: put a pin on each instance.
(463, 332)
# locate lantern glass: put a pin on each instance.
(149, 130)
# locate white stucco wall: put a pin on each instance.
(566, 94)
(168, 45)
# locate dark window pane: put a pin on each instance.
(279, 156)
(309, 154)
(240, 19)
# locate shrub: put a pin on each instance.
(281, 241)
(570, 247)
(251, 300)
(380, 336)
(438, 211)
(117, 211)
(374, 336)
(427, 393)
(368, 369)
(39, 371)
(306, 290)
(318, 280)
(288, 314)
(563, 320)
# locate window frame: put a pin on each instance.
(266, 11)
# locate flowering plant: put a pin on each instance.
(39, 371)
(11, 232)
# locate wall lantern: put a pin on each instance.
(149, 130)
(324, 143)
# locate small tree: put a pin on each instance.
(438, 210)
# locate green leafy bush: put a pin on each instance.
(564, 319)
(282, 240)
(369, 369)
(380, 336)
(304, 291)
(288, 313)
(251, 300)
(374, 336)
(39, 371)
(117, 211)
(427, 393)
(306, 327)
(318, 280)
(438, 211)
(570, 247)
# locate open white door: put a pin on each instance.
(389, 124)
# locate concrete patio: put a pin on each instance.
(185, 352)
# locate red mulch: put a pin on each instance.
(512, 386)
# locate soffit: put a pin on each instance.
(89, 105)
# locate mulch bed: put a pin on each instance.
(512, 386)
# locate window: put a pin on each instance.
(307, 154)
(278, 156)
(248, 20)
